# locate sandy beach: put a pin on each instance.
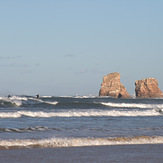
(93, 154)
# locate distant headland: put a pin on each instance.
(144, 88)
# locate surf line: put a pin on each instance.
(76, 142)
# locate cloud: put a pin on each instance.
(9, 57)
(26, 72)
(14, 65)
(85, 71)
(69, 55)
(8, 61)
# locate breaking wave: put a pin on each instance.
(14, 100)
(74, 142)
(77, 102)
(81, 113)
(132, 105)
(19, 101)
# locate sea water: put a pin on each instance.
(28, 122)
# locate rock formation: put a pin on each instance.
(111, 86)
(147, 88)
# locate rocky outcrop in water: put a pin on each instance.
(147, 88)
(111, 86)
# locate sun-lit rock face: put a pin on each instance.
(147, 88)
(111, 86)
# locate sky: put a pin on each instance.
(65, 47)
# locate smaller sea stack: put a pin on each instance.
(148, 88)
(111, 86)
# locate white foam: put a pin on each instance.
(82, 113)
(66, 96)
(133, 105)
(16, 102)
(36, 99)
(52, 103)
(47, 102)
(85, 96)
(18, 98)
(10, 115)
(46, 96)
(74, 142)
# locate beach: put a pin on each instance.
(89, 154)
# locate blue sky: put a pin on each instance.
(65, 47)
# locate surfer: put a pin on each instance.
(37, 96)
(9, 96)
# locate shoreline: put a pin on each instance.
(114, 153)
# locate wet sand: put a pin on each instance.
(94, 154)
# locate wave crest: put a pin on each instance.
(74, 142)
(132, 105)
(27, 129)
(82, 113)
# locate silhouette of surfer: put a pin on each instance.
(37, 95)
(9, 96)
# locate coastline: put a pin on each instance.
(100, 154)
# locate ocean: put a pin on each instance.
(51, 122)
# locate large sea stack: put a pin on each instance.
(111, 86)
(147, 88)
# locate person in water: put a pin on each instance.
(9, 96)
(37, 96)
